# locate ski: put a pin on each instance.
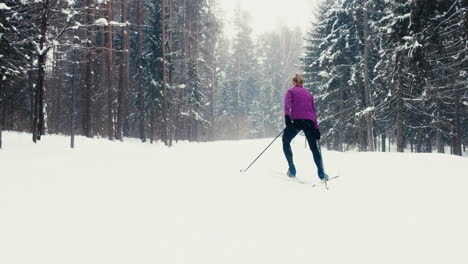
(312, 183)
(325, 182)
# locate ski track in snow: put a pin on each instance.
(114, 202)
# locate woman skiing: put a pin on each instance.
(300, 114)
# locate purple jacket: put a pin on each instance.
(299, 104)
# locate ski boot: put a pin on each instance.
(323, 176)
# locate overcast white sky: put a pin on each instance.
(267, 15)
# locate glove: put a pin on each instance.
(316, 133)
(288, 121)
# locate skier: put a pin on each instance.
(300, 114)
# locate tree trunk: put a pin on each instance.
(370, 136)
(456, 135)
(152, 123)
(73, 99)
(100, 124)
(181, 104)
(164, 135)
(361, 133)
(400, 106)
(123, 76)
(110, 72)
(128, 96)
(89, 80)
(399, 125)
(38, 120)
(141, 91)
(39, 101)
(439, 126)
(384, 139)
(171, 114)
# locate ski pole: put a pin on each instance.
(263, 151)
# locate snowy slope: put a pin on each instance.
(112, 202)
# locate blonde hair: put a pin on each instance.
(298, 79)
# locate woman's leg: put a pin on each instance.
(316, 153)
(288, 135)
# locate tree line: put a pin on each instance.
(383, 72)
(390, 71)
(150, 69)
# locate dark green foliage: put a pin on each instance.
(416, 65)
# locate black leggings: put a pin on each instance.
(291, 132)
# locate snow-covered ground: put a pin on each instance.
(113, 202)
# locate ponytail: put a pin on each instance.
(298, 79)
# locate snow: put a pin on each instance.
(3, 6)
(324, 74)
(101, 22)
(114, 202)
(39, 50)
(119, 24)
(366, 111)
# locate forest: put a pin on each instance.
(390, 72)
(155, 70)
(384, 73)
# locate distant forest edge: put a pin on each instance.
(381, 71)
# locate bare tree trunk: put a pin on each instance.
(399, 126)
(128, 96)
(32, 99)
(164, 88)
(110, 71)
(399, 110)
(73, 99)
(188, 124)
(141, 91)
(123, 76)
(171, 114)
(456, 135)
(59, 101)
(99, 122)
(384, 142)
(152, 123)
(38, 121)
(439, 126)
(361, 133)
(89, 89)
(370, 127)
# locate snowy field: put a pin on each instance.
(113, 202)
